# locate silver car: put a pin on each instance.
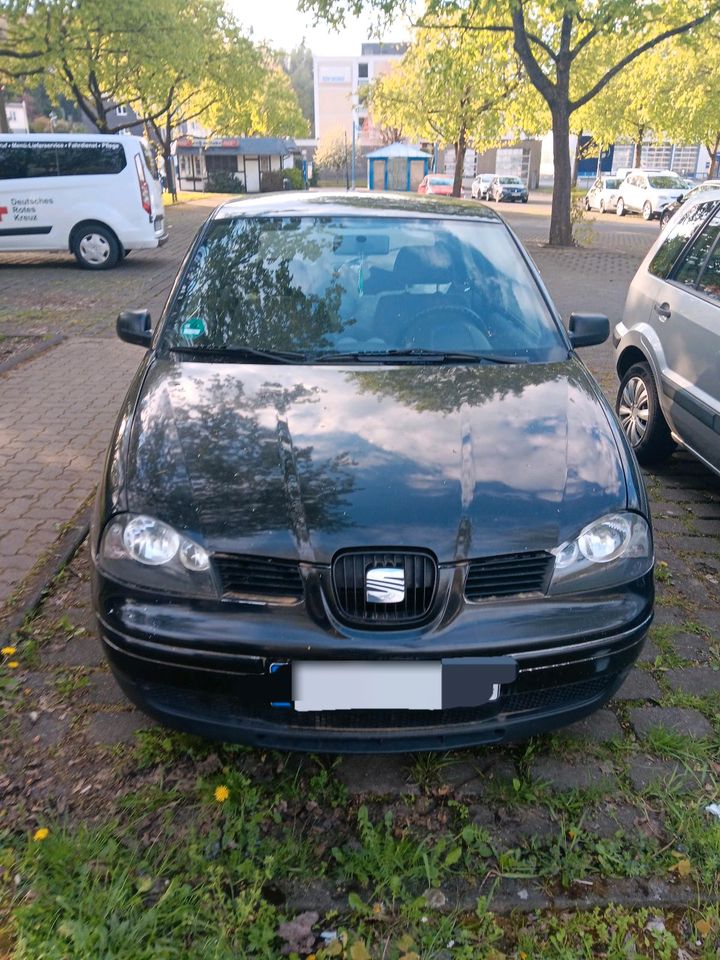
(603, 194)
(479, 188)
(667, 347)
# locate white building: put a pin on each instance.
(17, 117)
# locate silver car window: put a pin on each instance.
(672, 246)
(709, 282)
(692, 263)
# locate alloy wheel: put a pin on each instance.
(634, 410)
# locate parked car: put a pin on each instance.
(94, 195)
(649, 192)
(436, 183)
(668, 343)
(603, 194)
(479, 188)
(362, 494)
(702, 188)
(507, 188)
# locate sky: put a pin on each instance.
(279, 23)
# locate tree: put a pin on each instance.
(453, 86)
(570, 51)
(298, 64)
(333, 152)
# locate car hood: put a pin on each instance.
(301, 461)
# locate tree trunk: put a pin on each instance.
(713, 151)
(560, 222)
(4, 125)
(460, 150)
(637, 155)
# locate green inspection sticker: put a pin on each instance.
(193, 328)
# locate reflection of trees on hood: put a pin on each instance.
(240, 283)
(235, 453)
(444, 389)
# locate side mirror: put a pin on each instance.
(588, 329)
(133, 326)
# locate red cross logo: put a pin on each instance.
(3, 211)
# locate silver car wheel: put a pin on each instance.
(634, 410)
(94, 248)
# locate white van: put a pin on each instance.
(96, 195)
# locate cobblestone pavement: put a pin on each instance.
(57, 411)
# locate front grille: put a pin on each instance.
(228, 709)
(508, 575)
(258, 577)
(349, 574)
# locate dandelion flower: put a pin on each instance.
(221, 793)
(7, 651)
(13, 664)
(41, 834)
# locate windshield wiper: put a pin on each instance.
(415, 353)
(232, 354)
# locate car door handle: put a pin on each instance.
(663, 310)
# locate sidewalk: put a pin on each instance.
(57, 411)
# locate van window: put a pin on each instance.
(20, 160)
(150, 161)
(689, 270)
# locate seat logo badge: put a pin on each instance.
(385, 585)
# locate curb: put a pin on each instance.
(32, 353)
(36, 584)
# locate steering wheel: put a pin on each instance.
(436, 327)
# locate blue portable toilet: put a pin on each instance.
(399, 166)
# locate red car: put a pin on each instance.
(436, 183)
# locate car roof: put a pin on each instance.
(336, 203)
(75, 137)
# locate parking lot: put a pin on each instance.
(610, 811)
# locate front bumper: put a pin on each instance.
(205, 667)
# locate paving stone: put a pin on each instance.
(47, 731)
(709, 618)
(690, 723)
(82, 616)
(103, 690)
(608, 821)
(691, 646)
(696, 544)
(667, 616)
(381, 775)
(699, 681)
(649, 653)
(598, 727)
(112, 728)
(639, 685)
(81, 651)
(646, 771)
(562, 775)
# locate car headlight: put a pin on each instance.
(150, 554)
(613, 550)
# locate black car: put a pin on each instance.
(362, 495)
(508, 189)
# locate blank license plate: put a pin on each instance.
(399, 685)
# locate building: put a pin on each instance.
(337, 84)
(255, 161)
(398, 166)
(17, 117)
(515, 158)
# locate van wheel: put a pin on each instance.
(95, 247)
(642, 420)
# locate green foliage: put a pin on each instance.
(224, 183)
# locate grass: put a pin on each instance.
(188, 196)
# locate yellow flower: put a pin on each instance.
(41, 834)
(7, 651)
(221, 793)
(13, 664)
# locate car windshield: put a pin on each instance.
(440, 181)
(666, 182)
(515, 181)
(318, 287)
